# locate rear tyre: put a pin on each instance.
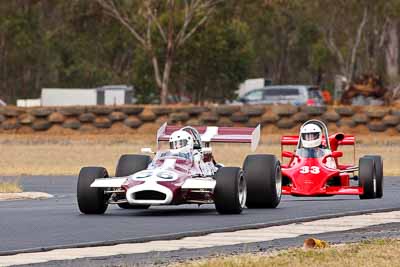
(91, 200)
(367, 179)
(264, 181)
(378, 174)
(230, 190)
(130, 164)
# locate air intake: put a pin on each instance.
(149, 195)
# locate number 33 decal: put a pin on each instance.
(307, 169)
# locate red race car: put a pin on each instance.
(185, 173)
(314, 169)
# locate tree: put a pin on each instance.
(342, 29)
(391, 39)
(217, 59)
(161, 26)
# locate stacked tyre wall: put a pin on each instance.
(134, 118)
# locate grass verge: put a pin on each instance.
(12, 186)
(369, 253)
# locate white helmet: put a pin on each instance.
(311, 135)
(181, 141)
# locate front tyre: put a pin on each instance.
(264, 181)
(130, 164)
(378, 174)
(230, 191)
(91, 200)
(367, 178)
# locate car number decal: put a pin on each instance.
(308, 169)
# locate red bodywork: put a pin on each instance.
(311, 177)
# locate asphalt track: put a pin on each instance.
(53, 223)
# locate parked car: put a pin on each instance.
(285, 94)
(251, 84)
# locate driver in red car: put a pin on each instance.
(311, 144)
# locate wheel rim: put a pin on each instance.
(278, 181)
(242, 191)
(374, 181)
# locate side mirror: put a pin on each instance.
(339, 136)
(147, 150)
(287, 154)
(334, 154)
(337, 154)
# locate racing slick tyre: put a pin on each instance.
(264, 181)
(378, 174)
(230, 190)
(91, 200)
(367, 179)
(130, 164)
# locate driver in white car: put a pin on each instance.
(311, 144)
(182, 142)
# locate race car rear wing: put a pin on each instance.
(217, 134)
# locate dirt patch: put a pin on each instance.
(369, 253)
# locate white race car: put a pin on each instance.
(186, 173)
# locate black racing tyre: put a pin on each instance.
(130, 164)
(230, 190)
(264, 181)
(91, 200)
(367, 178)
(378, 174)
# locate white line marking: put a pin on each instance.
(210, 240)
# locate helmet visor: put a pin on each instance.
(178, 144)
(310, 136)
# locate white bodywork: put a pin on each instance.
(149, 185)
(200, 183)
(210, 132)
(255, 138)
(109, 182)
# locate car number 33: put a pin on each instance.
(310, 169)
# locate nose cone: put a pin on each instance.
(306, 185)
(149, 193)
(308, 180)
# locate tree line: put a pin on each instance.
(199, 49)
